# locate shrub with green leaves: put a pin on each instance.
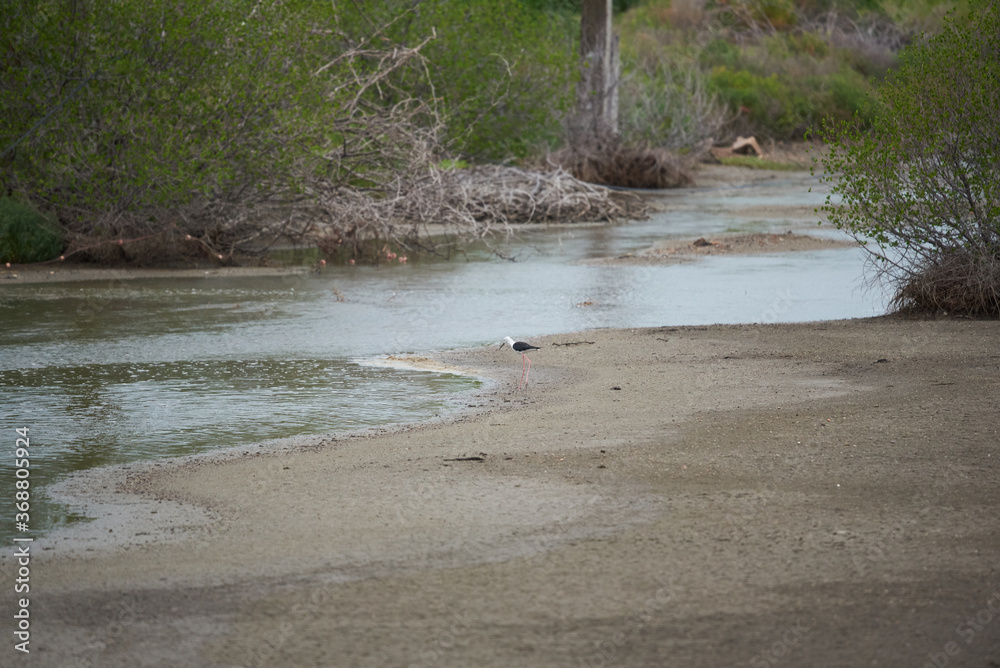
(503, 71)
(123, 117)
(26, 235)
(788, 102)
(922, 187)
(668, 106)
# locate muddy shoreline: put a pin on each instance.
(819, 493)
(676, 252)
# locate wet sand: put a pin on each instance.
(675, 252)
(808, 494)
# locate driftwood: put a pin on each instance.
(466, 203)
(742, 146)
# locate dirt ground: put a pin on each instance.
(673, 252)
(818, 494)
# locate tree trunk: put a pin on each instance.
(596, 118)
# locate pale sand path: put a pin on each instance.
(810, 494)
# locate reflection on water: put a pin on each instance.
(110, 413)
(84, 416)
(110, 371)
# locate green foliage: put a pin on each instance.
(779, 14)
(171, 118)
(849, 92)
(26, 235)
(500, 72)
(778, 65)
(808, 44)
(720, 52)
(767, 102)
(786, 103)
(668, 106)
(853, 8)
(925, 16)
(124, 110)
(572, 7)
(504, 72)
(753, 162)
(923, 184)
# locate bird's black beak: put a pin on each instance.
(502, 345)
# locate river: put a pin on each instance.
(106, 372)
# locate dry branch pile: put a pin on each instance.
(389, 187)
(603, 158)
(494, 194)
(956, 282)
(629, 167)
(466, 203)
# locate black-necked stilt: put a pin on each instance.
(520, 347)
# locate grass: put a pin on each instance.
(25, 235)
(762, 163)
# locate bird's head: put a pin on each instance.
(507, 341)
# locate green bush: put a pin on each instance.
(921, 186)
(778, 14)
(26, 235)
(667, 106)
(769, 104)
(504, 73)
(778, 65)
(500, 73)
(785, 106)
(118, 114)
(720, 52)
(808, 44)
(849, 91)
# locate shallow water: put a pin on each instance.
(112, 371)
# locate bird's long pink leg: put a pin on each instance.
(522, 371)
(527, 372)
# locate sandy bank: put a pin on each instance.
(809, 494)
(673, 252)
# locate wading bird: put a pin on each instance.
(520, 347)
